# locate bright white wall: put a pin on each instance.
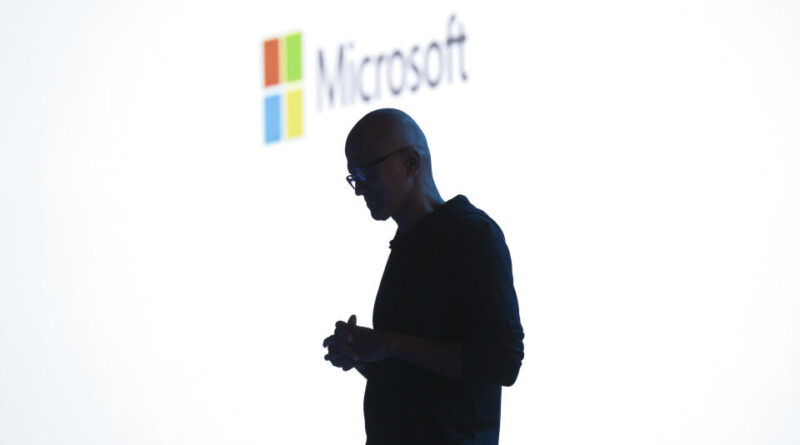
(165, 277)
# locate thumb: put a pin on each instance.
(352, 320)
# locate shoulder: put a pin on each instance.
(483, 246)
(473, 226)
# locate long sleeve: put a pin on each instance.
(493, 351)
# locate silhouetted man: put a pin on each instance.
(446, 323)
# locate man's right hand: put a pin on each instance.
(340, 354)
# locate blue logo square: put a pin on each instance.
(272, 118)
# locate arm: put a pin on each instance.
(437, 357)
(493, 350)
(490, 360)
(363, 346)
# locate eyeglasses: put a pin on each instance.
(360, 175)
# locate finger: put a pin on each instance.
(337, 350)
(337, 346)
(344, 349)
(342, 332)
(328, 341)
(334, 356)
(341, 361)
(352, 320)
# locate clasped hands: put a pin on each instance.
(352, 346)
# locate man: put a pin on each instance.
(446, 323)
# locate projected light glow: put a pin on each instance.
(176, 239)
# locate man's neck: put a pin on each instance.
(417, 209)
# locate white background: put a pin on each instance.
(166, 278)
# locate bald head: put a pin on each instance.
(382, 131)
(388, 153)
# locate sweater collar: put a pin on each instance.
(441, 212)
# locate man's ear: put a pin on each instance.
(412, 161)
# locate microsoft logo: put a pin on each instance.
(348, 76)
(283, 103)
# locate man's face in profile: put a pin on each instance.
(381, 168)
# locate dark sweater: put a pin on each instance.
(447, 279)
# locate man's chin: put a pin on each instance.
(377, 215)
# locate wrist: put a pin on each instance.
(389, 345)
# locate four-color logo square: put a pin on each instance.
(283, 104)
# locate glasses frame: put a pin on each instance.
(359, 174)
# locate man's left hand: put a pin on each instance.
(368, 344)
